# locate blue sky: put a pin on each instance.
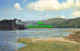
(9, 11)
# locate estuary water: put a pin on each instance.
(8, 38)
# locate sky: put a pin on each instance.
(39, 9)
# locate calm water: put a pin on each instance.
(7, 38)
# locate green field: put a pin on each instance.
(47, 46)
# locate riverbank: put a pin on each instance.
(52, 44)
(55, 39)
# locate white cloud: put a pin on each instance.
(76, 14)
(50, 5)
(62, 17)
(17, 6)
(77, 5)
(67, 5)
(54, 5)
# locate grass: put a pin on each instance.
(47, 46)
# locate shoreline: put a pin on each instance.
(32, 43)
(61, 39)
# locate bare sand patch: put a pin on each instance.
(55, 39)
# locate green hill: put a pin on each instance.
(71, 23)
(54, 21)
(58, 22)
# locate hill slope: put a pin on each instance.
(71, 23)
(54, 21)
(58, 22)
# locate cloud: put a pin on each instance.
(17, 6)
(53, 5)
(76, 14)
(77, 5)
(62, 17)
(50, 5)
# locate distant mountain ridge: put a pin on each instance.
(58, 22)
(54, 21)
(31, 22)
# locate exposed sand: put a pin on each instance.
(55, 39)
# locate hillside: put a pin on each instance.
(58, 22)
(54, 21)
(71, 23)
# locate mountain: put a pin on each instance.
(54, 21)
(31, 22)
(71, 23)
(58, 22)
